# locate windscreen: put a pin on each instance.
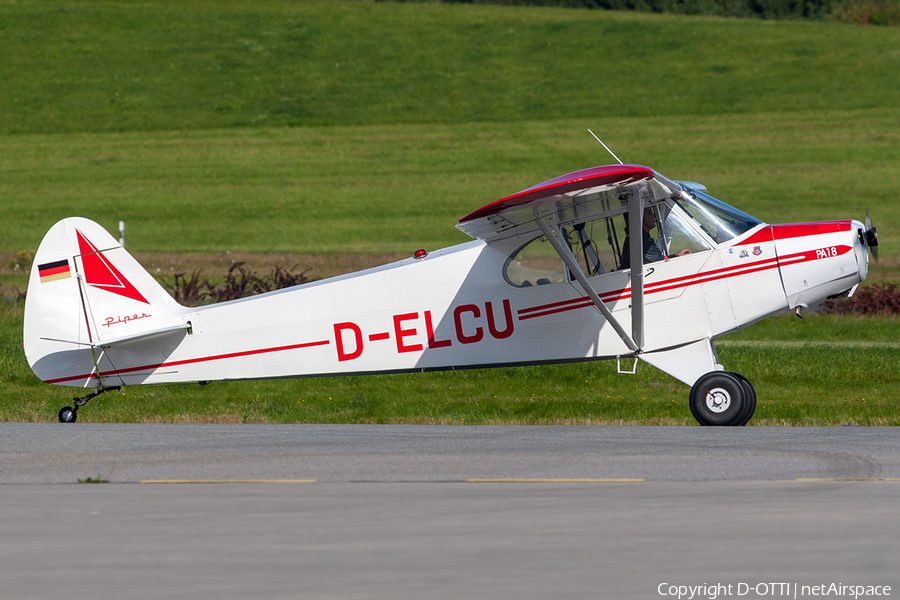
(719, 220)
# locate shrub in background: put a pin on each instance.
(192, 290)
(877, 299)
(22, 260)
(863, 12)
(867, 12)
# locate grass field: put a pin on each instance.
(819, 371)
(397, 188)
(337, 134)
(202, 64)
(200, 123)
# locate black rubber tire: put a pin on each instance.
(719, 398)
(750, 404)
(67, 414)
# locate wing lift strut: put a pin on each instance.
(550, 227)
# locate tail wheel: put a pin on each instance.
(722, 398)
(67, 414)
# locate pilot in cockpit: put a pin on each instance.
(652, 252)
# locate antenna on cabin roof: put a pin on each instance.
(605, 146)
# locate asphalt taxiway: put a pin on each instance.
(319, 511)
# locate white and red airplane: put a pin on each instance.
(609, 262)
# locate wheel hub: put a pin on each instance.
(718, 400)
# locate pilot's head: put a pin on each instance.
(649, 220)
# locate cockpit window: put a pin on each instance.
(679, 237)
(682, 223)
(719, 220)
(596, 246)
(535, 263)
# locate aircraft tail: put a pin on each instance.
(85, 294)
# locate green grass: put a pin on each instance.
(357, 127)
(810, 383)
(201, 64)
(398, 188)
(201, 123)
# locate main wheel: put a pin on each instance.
(67, 414)
(750, 404)
(719, 398)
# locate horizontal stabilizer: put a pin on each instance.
(129, 338)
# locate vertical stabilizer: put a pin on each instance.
(86, 290)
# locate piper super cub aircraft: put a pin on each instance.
(567, 270)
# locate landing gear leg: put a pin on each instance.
(722, 398)
(68, 414)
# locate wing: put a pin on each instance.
(576, 196)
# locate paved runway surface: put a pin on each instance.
(63, 453)
(398, 511)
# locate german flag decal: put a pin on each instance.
(53, 271)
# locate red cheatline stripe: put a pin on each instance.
(720, 275)
(564, 305)
(674, 283)
(584, 303)
(734, 270)
(192, 361)
(542, 307)
(659, 286)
